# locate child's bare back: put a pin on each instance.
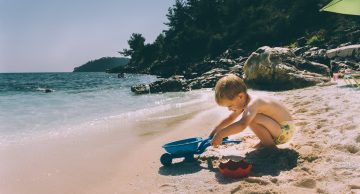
(270, 107)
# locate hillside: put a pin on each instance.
(102, 64)
(202, 29)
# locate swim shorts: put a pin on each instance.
(287, 131)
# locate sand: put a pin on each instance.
(322, 157)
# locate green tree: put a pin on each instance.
(136, 44)
(198, 29)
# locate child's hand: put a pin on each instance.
(216, 140)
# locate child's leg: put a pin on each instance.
(266, 129)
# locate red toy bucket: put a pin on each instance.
(235, 169)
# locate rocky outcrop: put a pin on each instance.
(346, 51)
(233, 54)
(340, 65)
(178, 83)
(172, 84)
(338, 59)
(199, 69)
(316, 54)
(346, 56)
(141, 89)
(280, 69)
(207, 79)
(266, 68)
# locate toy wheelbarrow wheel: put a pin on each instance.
(166, 159)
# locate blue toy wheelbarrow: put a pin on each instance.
(186, 148)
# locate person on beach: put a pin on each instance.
(266, 117)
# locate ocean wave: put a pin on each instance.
(62, 114)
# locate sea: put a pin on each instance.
(35, 104)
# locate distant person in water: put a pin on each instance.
(267, 118)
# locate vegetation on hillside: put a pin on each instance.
(203, 29)
(102, 64)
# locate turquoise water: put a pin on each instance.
(76, 98)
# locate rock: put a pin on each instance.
(342, 65)
(47, 90)
(200, 68)
(312, 54)
(352, 64)
(317, 55)
(280, 69)
(233, 53)
(215, 72)
(237, 70)
(208, 65)
(345, 44)
(140, 89)
(208, 79)
(346, 51)
(299, 51)
(194, 84)
(227, 62)
(172, 84)
(241, 59)
(337, 66)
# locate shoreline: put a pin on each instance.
(52, 163)
(322, 157)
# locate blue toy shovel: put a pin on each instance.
(187, 148)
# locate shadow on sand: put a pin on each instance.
(272, 162)
(265, 162)
(181, 168)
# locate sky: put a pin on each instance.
(58, 35)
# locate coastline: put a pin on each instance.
(85, 156)
(102, 131)
(321, 158)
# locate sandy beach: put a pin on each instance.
(322, 157)
(93, 93)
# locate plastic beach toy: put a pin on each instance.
(235, 169)
(187, 148)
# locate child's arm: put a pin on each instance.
(236, 127)
(224, 123)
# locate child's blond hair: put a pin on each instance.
(228, 87)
